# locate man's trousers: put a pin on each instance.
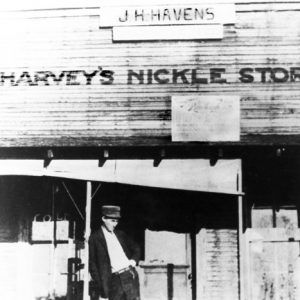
(125, 286)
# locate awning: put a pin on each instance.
(185, 174)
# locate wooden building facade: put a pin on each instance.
(64, 82)
(91, 87)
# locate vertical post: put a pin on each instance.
(53, 248)
(86, 238)
(170, 278)
(194, 263)
(241, 248)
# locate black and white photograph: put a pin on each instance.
(150, 150)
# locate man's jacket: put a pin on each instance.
(99, 262)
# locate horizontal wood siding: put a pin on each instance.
(71, 112)
(217, 264)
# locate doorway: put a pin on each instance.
(273, 254)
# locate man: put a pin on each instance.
(113, 257)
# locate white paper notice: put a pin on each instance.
(206, 118)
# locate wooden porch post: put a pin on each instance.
(86, 238)
(241, 247)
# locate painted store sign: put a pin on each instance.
(105, 76)
(167, 15)
(146, 23)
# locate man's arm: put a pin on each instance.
(92, 262)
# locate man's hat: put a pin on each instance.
(111, 211)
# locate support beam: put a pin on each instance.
(102, 160)
(241, 244)
(159, 158)
(86, 238)
(48, 158)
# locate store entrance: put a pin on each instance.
(272, 226)
(160, 221)
(273, 254)
(189, 239)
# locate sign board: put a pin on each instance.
(168, 14)
(154, 253)
(43, 231)
(180, 32)
(206, 118)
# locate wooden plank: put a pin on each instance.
(201, 263)
(242, 267)
(221, 270)
(273, 270)
(37, 9)
(56, 4)
(86, 238)
(178, 32)
(273, 234)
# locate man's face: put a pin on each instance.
(110, 223)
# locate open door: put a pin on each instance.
(274, 255)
